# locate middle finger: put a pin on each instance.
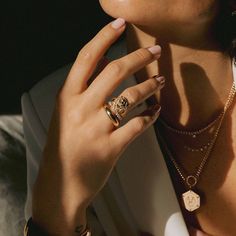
(120, 69)
(140, 92)
(137, 94)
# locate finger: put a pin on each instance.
(138, 93)
(124, 135)
(119, 69)
(90, 55)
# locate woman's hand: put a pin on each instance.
(83, 146)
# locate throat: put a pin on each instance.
(196, 87)
(198, 78)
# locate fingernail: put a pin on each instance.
(160, 79)
(162, 85)
(156, 109)
(118, 23)
(155, 50)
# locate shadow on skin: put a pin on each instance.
(203, 97)
(216, 170)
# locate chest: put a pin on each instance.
(217, 184)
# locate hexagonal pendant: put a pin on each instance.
(191, 200)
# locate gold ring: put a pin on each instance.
(116, 109)
(119, 106)
(113, 117)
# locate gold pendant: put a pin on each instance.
(191, 200)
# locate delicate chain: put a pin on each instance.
(206, 156)
(190, 133)
(199, 149)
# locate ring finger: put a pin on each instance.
(138, 93)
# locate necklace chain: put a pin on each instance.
(195, 177)
(193, 133)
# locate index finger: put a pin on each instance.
(120, 69)
(90, 55)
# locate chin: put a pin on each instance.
(153, 13)
(120, 8)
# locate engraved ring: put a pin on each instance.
(116, 109)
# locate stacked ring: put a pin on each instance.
(116, 109)
(113, 117)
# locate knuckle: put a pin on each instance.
(132, 95)
(115, 68)
(85, 54)
(143, 55)
(153, 84)
(106, 35)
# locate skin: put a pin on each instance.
(75, 164)
(184, 29)
(186, 52)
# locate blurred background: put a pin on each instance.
(37, 37)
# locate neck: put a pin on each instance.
(198, 76)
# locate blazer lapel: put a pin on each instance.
(140, 185)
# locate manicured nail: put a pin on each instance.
(155, 50)
(118, 23)
(162, 85)
(156, 109)
(160, 79)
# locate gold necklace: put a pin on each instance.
(190, 198)
(193, 133)
(202, 147)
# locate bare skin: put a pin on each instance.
(190, 57)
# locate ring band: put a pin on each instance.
(113, 117)
(116, 109)
(119, 106)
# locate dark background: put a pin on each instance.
(37, 37)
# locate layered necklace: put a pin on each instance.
(191, 199)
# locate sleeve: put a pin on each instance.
(35, 138)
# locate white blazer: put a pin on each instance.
(139, 195)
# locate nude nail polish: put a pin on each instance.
(160, 79)
(118, 23)
(156, 109)
(155, 50)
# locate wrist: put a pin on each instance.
(54, 209)
(32, 229)
(60, 223)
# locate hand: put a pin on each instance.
(83, 146)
